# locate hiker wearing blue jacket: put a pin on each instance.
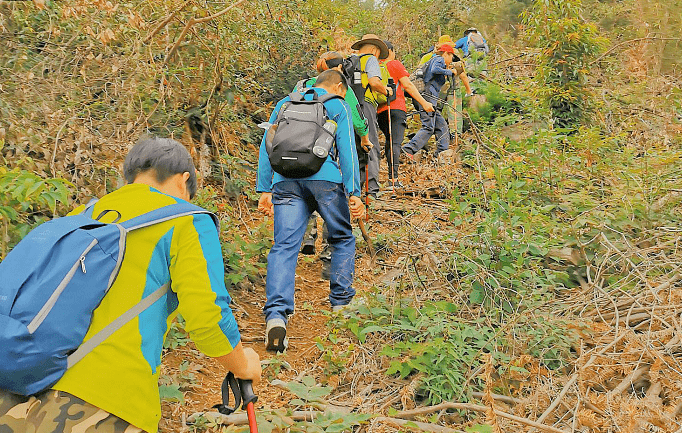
(435, 76)
(334, 191)
(463, 44)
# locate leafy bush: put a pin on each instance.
(568, 44)
(26, 200)
(435, 340)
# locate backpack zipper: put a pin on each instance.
(42, 314)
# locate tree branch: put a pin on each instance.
(476, 408)
(194, 21)
(163, 24)
(610, 50)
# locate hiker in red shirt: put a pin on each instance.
(398, 113)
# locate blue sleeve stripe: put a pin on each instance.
(152, 321)
(210, 246)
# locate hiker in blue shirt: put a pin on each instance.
(440, 69)
(463, 44)
(334, 191)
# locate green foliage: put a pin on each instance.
(171, 393)
(245, 257)
(436, 341)
(479, 428)
(500, 108)
(335, 360)
(307, 391)
(177, 336)
(27, 200)
(568, 44)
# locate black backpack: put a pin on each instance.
(352, 70)
(302, 136)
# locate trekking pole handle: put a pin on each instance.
(393, 87)
(246, 387)
(242, 390)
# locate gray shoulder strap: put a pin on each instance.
(114, 326)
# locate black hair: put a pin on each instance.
(389, 45)
(331, 77)
(165, 156)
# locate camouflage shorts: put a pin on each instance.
(56, 412)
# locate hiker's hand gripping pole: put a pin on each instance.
(243, 394)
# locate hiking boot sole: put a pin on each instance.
(276, 341)
(308, 249)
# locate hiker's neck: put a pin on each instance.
(175, 185)
(368, 49)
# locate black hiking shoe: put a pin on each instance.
(326, 269)
(308, 246)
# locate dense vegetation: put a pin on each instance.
(561, 224)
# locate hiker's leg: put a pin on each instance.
(333, 206)
(325, 254)
(292, 212)
(442, 134)
(458, 105)
(398, 126)
(308, 244)
(422, 136)
(53, 411)
(363, 157)
(13, 412)
(382, 121)
(370, 112)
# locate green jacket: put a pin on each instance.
(359, 122)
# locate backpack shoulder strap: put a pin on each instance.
(114, 326)
(90, 207)
(167, 213)
(150, 218)
(329, 96)
(298, 97)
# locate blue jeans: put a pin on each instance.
(295, 201)
(432, 123)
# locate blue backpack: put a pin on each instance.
(51, 283)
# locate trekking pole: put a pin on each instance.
(391, 98)
(368, 240)
(243, 394)
(367, 189)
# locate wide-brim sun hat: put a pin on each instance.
(372, 39)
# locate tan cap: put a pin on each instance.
(369, 38)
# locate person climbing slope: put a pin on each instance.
(333, 189)
(398, 113)
(433, 123)
(332, 60)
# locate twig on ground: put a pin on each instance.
(417, 425)
(475, 408)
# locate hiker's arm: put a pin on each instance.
(348, 157)
(414, 93)
(438, 67)
(198, 285)
(264, 182)
(243, 362)
(465, 80)
(376, 85)
(359, 122)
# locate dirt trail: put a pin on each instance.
(309, 321)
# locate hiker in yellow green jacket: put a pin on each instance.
(114, 388)
(370, 48)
